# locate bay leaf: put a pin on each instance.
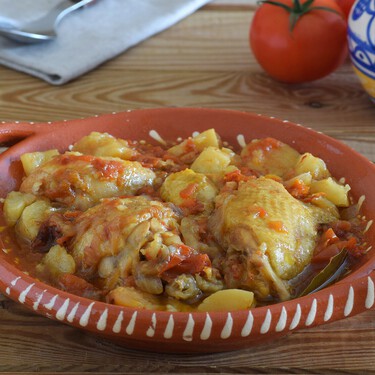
(330, 273)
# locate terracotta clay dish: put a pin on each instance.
(195, 331)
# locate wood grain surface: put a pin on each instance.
(203, 61)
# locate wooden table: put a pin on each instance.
(203, 61)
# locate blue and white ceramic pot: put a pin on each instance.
(361, 38)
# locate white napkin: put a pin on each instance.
(88, 36)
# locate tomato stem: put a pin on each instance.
(293, 18)
(281, 5)
(297, 7)
(297, 10)
(327, 9)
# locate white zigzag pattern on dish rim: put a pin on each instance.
(61, 314)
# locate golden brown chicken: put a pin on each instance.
(80, 181)
(127, 242)
(269, 236)
(111, 234)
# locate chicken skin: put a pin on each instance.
(115, 226)
(80, 181)
(269, 236)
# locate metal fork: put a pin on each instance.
(44, 28)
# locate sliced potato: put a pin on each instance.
(14, 204)
(310, 163)
(212, 160)
(228, 300)
(269, 156)
(335, 192)
(208, 138)
(57, 261)
(187, 186)
(305, 178)
(31, 219)
(32, 160)
(104, 144)
(130, 297)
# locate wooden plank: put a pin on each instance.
(230, 90)
(180, 67)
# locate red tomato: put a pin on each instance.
(315, 47)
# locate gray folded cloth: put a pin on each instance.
(88, 36)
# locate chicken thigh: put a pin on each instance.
(115, 230)
(269, 236)
(80, 181)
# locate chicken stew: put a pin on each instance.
(188, 226)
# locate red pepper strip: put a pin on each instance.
(182, 252)
(184, 260)
(194, 264)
